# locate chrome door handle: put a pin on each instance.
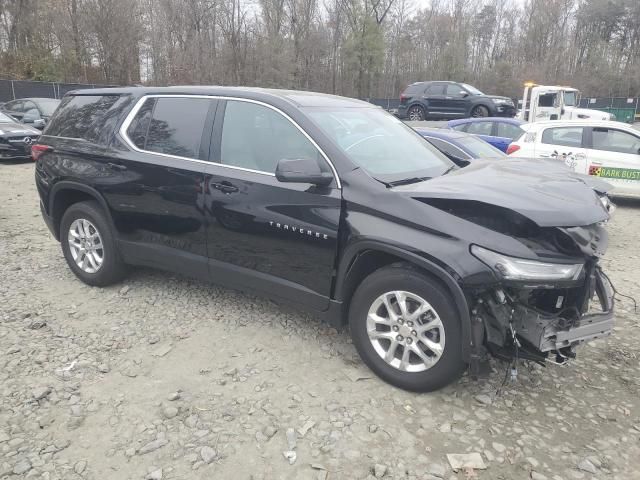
(116, 166)
(225, 187)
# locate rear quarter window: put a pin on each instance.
(414, 89)
(87, 117)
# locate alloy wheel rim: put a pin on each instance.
(405, 331)
(479, 113)
(85, 244)
(415, 115)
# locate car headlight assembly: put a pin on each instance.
(521, 269)
(502, 101)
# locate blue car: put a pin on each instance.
(497, 131)
(461, 148)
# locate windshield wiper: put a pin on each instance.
(408, 181)
(452, 167)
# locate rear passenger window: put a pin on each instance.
(563, 136)
(177, 125)
(480, 128)
(82, 116)
(435, 89)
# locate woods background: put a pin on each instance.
(360, 48)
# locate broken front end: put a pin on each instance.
(541, 310)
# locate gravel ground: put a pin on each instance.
(162, 377)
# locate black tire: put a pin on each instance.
(396, 277)
(417, 112)
(112, 269)
(480, 111)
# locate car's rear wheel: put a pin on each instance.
(416, 113)
(406, 329)
(89, 246)
(480, 111)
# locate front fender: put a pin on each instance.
(352, 251)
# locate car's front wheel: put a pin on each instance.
(480, 111)
(89, 246)
(406, 329)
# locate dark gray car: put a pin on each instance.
(449, 100)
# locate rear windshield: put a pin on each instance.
(86, 117)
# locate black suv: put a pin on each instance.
(337, 206)
(447, 100)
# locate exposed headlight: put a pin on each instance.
(607, 204)
(502, 101)
(511, 268)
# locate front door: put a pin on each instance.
(278, 238)
(614, 156)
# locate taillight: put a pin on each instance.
(37, 150)
(512, 148)
(403, 97)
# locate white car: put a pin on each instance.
(608, 150)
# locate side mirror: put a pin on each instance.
(464, 94)
(39, 123)
(302, 170)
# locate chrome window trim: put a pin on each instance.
(130, 116)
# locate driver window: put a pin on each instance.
(257, 137)
(31, 115)
(615, 141)
(28, 106)
(455, 90)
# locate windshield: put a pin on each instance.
(48, 106)
(6, 118)
(570, 99)
(479, 148)
(380, 143)
(472, 90)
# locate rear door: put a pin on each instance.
(614, 155)
(566, 144)
(155, 188)
(436, 100)
(278, 238)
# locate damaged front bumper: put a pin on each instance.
(532, 323)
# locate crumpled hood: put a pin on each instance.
(18, 128)
(547, 193)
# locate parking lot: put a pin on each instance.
(163, 377)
